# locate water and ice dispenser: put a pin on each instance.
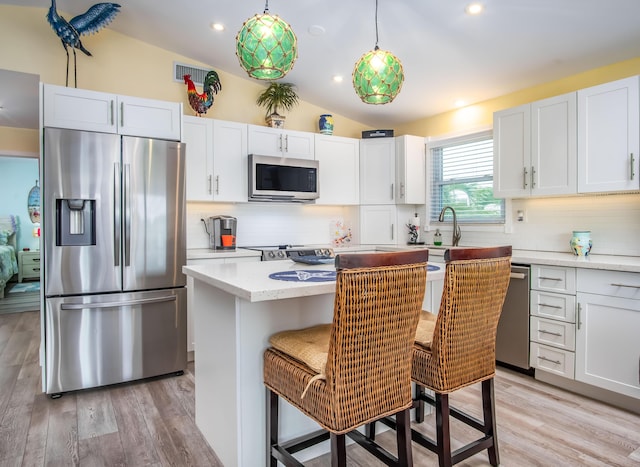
(75, 222)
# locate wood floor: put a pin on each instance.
(151, 423)
(17, 302)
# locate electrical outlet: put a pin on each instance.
(520, 215)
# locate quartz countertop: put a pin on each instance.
(552, 258)
(208, 253)
(250, 280)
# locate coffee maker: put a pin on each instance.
(222, 232)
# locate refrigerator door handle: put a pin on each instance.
(127, 214)
(141, 301)
(116, 214)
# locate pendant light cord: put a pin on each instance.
(266, 7)
(376, 47)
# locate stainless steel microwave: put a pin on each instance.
(283, 179)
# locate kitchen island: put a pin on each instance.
(236, 308)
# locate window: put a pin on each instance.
(462, 177)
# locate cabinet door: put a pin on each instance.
(339, 160)
(79, 109)
(609, 137)
(554, 146)
(607, 343)
(410, 170)
(198, 136)
(149, 118)
(377, 171)
(378, 225)
(230, 171)
(512, 152)
(267, 141)
(299, 144)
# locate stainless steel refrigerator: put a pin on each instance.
(113, 250)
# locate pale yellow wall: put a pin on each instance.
(481, 115)
(18, 140)
(127, 66)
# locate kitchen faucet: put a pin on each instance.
(456, 228)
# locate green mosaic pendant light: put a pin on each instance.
(266, 46)
(378, 75)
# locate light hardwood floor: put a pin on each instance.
(151, 423)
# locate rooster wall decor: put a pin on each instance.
(69, 32)
(201, 102)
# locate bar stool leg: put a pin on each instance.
(338, 451)
(443, 430)
(272, 426)
(403, 438)
(489, 413)
(420, 403)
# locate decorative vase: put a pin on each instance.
(275, 120)
(581, 242)
(326, 124)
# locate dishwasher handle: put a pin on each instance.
(518, 275)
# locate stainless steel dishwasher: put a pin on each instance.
(512, 339)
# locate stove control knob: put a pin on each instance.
(271, 254)
(281, 254)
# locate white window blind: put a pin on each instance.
(462, 177)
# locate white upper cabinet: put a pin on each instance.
(554, 146)
(377, 171)
(339, 169)
(535, 148)
(609, 137)
(411, 170)
(267, 141)
(149, 118)
(198, 136)
(230, 161)
(80, 109)
(378, 224)
(216, 160)
(512, 152)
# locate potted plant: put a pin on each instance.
(277, 96)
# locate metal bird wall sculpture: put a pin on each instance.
(90, 22)
(201, 102)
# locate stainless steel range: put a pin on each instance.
(282, 252)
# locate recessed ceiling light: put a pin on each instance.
(460, 103)
(474, 8)
(338, 78)
(217, 26)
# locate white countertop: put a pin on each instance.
(251, 281)
(208, 253)
(553, 258)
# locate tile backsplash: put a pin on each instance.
(614, 222)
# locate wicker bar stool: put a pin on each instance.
(358, 368)
(461, 351)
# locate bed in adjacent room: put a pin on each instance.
(8, 261)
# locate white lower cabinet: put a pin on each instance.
(191, 345)
(608, 331)
(552, 320)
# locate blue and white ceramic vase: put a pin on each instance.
(326, 124)
(581, 242)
